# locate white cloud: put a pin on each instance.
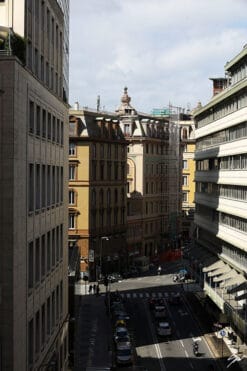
(163, 50)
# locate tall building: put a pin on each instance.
(33, 187)
(188, 175)
(221, 194)
(97, 191)
(154, 181)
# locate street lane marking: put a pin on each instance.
(186, 354)
(181, 341)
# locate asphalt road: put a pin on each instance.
(153, 352)
(93, 340)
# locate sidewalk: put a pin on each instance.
(222, 348)
(93, 335)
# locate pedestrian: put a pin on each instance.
(90, 289)
(97, 290)
(94, 288)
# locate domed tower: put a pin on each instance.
(125, 108)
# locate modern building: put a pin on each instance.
(97, 191)
(221, 194)
(33, 187)
(153, 183)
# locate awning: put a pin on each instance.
(240, 287)
(218, 271)
(216, 265)
(233, 281)
(226, 276)
(241, 297)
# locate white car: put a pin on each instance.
(164, 329)
(124, 354)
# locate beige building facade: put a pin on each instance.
(188, 175)
(154, 178)
(33, 190)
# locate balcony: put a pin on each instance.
(12, 44)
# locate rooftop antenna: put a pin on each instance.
(98, 103)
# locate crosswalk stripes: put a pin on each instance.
(144, 295)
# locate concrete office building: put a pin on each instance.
(97, 191)
(33, 188)
(221, 194)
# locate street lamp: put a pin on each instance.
(103, 238)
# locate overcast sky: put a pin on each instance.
(162, 50)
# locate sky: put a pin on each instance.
(164, 51)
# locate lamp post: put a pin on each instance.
(103, 238)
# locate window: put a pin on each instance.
(43, 186)
(30, 265)
(185, 164)
(71, 221)
(31, 188)
(185, 180)
(30, 342)
(185, 197)
(38, 120)
(43, 325)
(72, 148)
(48, 252)
(37, 333)
(72, 129)
(72, 172)
(48, 317)
(43, 256)
(38, 186)
(71, 197)
(37, 261)
(53, 247)
(44, 123)
(31, 117)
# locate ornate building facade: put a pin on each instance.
(97, 191)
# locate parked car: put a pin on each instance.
(153, 302)
(124, 340)
(120, 323)
(175, 298)
(120, 332)
(160, 311)
(164, 329)
(121, 315)
(124, 354)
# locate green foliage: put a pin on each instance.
(18, 46)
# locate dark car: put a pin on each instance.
(153, 302)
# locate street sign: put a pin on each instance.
(222, 333)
